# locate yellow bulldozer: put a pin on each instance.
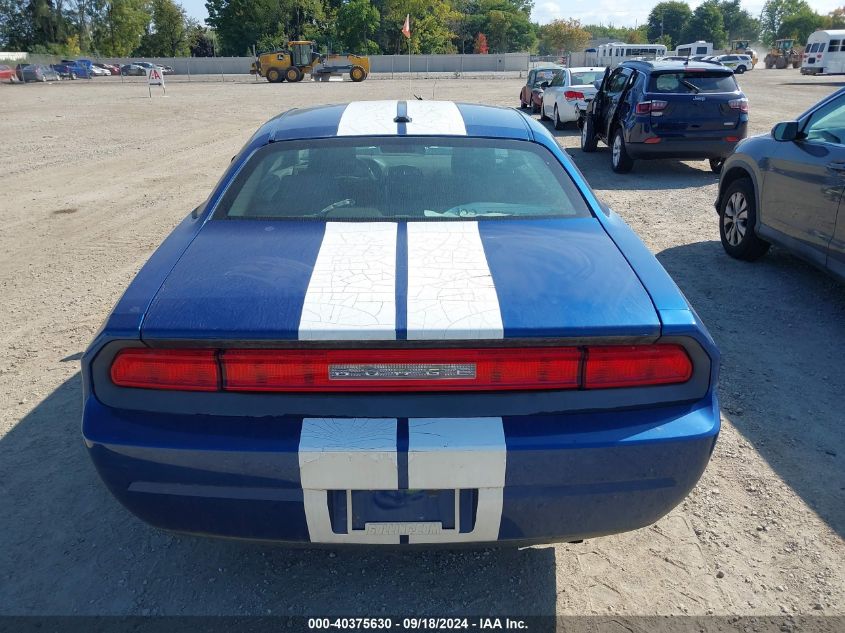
(783, 54)
(300, 57)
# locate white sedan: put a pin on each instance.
(98, 72)
(565, 99)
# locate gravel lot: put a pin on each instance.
(96, 175)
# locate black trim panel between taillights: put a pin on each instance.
(398, 404)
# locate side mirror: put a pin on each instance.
(785, 131)
(544, 84)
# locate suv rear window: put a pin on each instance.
(390, 178)
(692, 82)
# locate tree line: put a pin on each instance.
(161, 28)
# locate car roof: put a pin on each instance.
(385, 118)
(582, 69)
(649, 66)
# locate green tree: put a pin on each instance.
(563, 36)
(240, 24)
(121, 25)
(774, 13)
(668, 18)
(167, 34)
(201, 41)
(357, 22)
(706, 24)
(799, 25)
(739, 23)
(433, 24)
(836, 19)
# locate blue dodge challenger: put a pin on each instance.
(401, 322)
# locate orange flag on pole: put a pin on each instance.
(406, 28)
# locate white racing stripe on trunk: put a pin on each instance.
(352, 292)
(367, 118)
(460, 453)
(345, 454)
(450, 289)
(435, 117)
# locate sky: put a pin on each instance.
(617, 12)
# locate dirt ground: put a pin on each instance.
(96, 174)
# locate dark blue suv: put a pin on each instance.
(666, 109)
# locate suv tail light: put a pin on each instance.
(573, 95)
(654, 107)
(402, 370)
(739, 104)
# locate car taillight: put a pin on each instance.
(402, 370)
(739, 104)
(636, 366)
(573, 95)
(397, 370)
(654, 107)
(177, 369)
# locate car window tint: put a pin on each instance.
(558, 80)
(544, 75)
(617, 82)
(586, 78)
(827, 124)
(391, 178)
(692, 82)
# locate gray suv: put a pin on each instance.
(786, 188)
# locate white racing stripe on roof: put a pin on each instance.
(435, 117)
(352, 292)
(450, 288)
(367, 118)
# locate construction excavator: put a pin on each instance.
(301, 58)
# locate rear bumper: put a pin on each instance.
(540, 478)
(682, 148)
(812, 70)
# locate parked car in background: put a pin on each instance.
(538, 79)
(786, 188)
(666, 110)
(149, 66)
(38, 72)
(71, 69)
(112, 68)
(132, 69)
(566, 98)
(167, 70)
(738, 63)
(7, 73)
(93, 68)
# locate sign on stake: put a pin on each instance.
(155, 77)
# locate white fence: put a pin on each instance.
(507, 62)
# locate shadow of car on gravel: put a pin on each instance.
(70, 548)
(780, 327)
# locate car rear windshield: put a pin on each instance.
(692, 82)
(587, 77)
(389, 178)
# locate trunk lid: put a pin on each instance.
(253, 280)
